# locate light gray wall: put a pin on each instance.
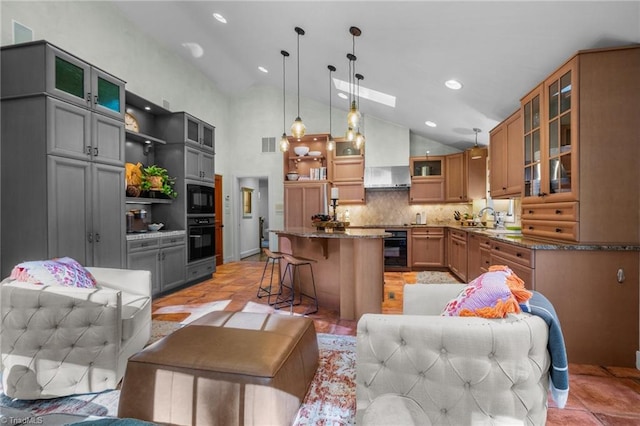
(100, 34)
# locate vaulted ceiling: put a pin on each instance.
(497, 50)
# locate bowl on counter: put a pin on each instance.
(301, 151)
(153, 227)
(292, 176)
(315, 153)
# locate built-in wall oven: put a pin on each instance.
(201, 235)
(200, 199)
(395, 250)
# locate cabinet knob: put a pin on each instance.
(97, 237)
(518, 254)
(558, 229)
(558, 211)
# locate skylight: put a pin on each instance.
(366, 93)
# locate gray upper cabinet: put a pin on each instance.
(181, 127)
(78, 133)
(199, 165)
(63, 75)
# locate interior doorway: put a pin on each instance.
(253, 217)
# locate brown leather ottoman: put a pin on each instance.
(224, 368)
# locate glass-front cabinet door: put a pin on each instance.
(561, 112)
(427, 167)
(77, 82)
(532, 140)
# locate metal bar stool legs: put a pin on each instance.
(264, 290)
(292, 271)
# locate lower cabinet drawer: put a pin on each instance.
(524, 273)
(145, 244)
(200, 270)
(551, 230)
(554, 211)
(513, 253)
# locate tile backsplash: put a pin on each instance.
(393, 208)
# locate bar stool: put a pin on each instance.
(263, 290)
(293, 263)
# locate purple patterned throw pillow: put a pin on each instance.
(64, 271)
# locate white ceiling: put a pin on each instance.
(498, 50)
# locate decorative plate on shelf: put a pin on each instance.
(131, 122)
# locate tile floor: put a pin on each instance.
(598, 395)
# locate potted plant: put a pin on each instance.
(156, 178)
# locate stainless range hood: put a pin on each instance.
(392, 177)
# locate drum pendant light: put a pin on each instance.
(298, 128)
(284, 140)
(476, 152)
(331, 143)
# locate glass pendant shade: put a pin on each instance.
(284, 143)
(353, 117)
(350, 135)
(331, 145)
(298, 128)
(359, 140)
(476, 152)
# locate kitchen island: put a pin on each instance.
(348, 267)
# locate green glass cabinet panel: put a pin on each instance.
(69, 78)
(108, 95)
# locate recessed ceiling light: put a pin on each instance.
(343, 96)
(366, 93)
(263, 69)
(430, 123)
(148, 108)
(220, 18)
(453, 84)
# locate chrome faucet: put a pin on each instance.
(481, 212)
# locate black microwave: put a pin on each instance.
(200, 199)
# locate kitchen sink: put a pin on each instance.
(501, 231)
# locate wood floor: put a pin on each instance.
(598, 395)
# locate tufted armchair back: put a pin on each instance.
(58, 341)
(456, 370)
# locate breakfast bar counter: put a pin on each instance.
(348, 267)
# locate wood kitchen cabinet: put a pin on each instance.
(348, 176)
(427, 179)
(521, 260)
(465, 178)
(427, 248)
(303, 164)
(302, 200)
(506, 157)
(478, 255)
(457, 248)
(581, 150)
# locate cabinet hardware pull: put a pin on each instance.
(518, 254)
(558, 229)
(531, 228)
(97, 237)
(95, 151)
(88, 99)
(95, 102)
(558, 211)
(530, 211)
(90, 237)
(88, 150)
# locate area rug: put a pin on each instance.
(435, 277)
(330, 400)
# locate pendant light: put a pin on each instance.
(297, 128)
(476, 152)
(331, 143)
(350, 134)
(359, 138)
(353, 117)
(284, 140)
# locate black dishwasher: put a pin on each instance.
(395, 251)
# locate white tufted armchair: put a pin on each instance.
(450, 370)
(57, 341)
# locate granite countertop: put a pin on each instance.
(154, 234)
(511, 237)
(348, 233)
